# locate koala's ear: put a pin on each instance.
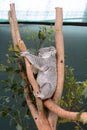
(52, 48)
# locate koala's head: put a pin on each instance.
(47, 52)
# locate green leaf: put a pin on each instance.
(85, 121)
(79, 114)
(7, 55)
(9, 69)
(23, 83)
(11, 121)
(19, 127)
(2, 67)
(28, 38)
(11, 48)
(4, 114)
(7, 99)
(84, 93)
(11, 77)
(17, 71)
(23, 103)
(76, 127)
(27, 117)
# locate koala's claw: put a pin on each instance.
(40, 95)
(44, 68)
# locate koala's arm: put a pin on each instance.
(36, 61)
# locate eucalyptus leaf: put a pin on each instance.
(84, 93)
(2, 67)
(85, 121)
(27, 117)
(17, 71)
(79, 115)
(23, 83)
(7, 99)
(9, 69)
(19, 127)
(11, 121)
(4, 114)
(11, 77)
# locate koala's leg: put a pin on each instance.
(45, 91)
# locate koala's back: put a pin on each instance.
(45, 65)
(50, 75)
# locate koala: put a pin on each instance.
(45, 65)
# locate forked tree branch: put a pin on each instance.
(39, 116)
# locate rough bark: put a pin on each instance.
(42, 121)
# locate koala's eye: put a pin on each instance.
(38, 53)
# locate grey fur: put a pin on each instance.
(45, 65)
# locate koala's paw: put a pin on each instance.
(40, 96)
(44, 68)
(24, 53)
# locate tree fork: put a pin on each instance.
(39, 116)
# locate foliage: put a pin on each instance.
(42, 36)
(12, 101)
(72, 98)
(72, 93)
(85, 90)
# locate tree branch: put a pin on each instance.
(60, 64)
(72, 116)
(60, 54)
(32, 108)
(18, 42)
